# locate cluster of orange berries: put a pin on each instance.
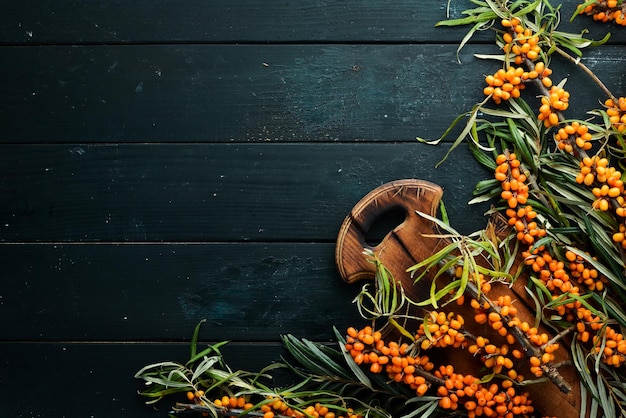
(198, 398)
(275, 407)
(504, 85)
(502, 321)
(514, 187)
(555, 276)
(441, 330)
(556, 101)
(607, 10)
(494, 357)
(455, 390)
(617, 113)
(590, 328)
(515, 192)
(519, 41)
(523, 45)
(485, 313)
(478, 400)
(537, 362)
(523, 219)
(608, 189)
(584, 273)
(231, 402)
(614, 350)
(367, 347)
(551, 272)
(574, 134)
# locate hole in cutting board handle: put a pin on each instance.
(384, 224)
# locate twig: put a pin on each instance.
(529, 350)
(588, 71)
(225, 412)
(559, 336)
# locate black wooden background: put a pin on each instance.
(162, 162)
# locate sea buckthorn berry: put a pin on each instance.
(556, 101)
(616, 112)
(573, 135)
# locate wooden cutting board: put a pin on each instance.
(411, 242)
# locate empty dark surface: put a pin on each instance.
(166, 162)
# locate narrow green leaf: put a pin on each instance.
(528, 9)
(358, 372)
(204, 365)
(433, 259)
(194, 339)
(425, 410)
(157, 366)
(213, 348)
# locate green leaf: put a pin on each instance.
(444, 213)
(157, 367)
(482, 158)
(358, 372)
(425, 410)
(528, 9)
(432, 260)
(462, 21)
(194, 339)
(481, 21)
(581, 7)
(204, 365)
(472, 115)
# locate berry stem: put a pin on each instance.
(587, 71)
(560, 335)
(528, 349)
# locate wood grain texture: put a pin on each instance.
(224, 21)
(246, 292)
(96, 380)
(210, 192)
(168, 161)
(243, 21)
(410, 196)
(256, 93)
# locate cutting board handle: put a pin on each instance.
(411, 195)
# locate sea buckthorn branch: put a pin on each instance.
(490, 312)
(553, 273)
(567, 279)
(326, 390)
(270, 407)
(604, 10)
(442, 330)
(572, 138)
(536, 347)
(454, 391)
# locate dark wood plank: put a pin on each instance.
(243, 21)
(224, 21)
(225, 93)
(246, 292)
(212, 192)
(96, 380)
